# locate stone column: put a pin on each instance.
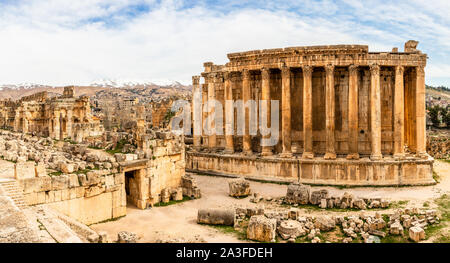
(286, 111)
(212, 112)
(265, 96)
(25, 124)
(330, 152)
(246, 143)
(420, 113)
(229, 114)
(69, 124)
(196, 113)
(204, 89)
(399, 112)
(375, 112)
(353, 113)
(307, 113)
(56, 125)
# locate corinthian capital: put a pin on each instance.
(329, 69)
(195, 80)
(353, 69)
(375, 69)
(245, 74)
(307, 71)
(212, 77)
(285, 71)
(226, 75)
(265, 73)
(399, 70)
(420, 70)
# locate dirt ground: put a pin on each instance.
(177, 223)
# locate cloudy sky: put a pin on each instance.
(62, 42)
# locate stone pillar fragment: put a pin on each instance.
(307, 112)
(420, 112)
(247, 147)
(375, 112)
(353, 113)
(265, 96)
(229, 114)
(197, 122)
(329, 106)
(399, 112)
(286, 111)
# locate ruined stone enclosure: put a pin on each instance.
(347, 116)
(59, 117)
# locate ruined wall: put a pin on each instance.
(158, 174)
(59, 118)
(88, 198)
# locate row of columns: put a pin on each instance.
(286, 76)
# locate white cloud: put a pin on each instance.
(49, 42)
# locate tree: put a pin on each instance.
(434, 115)
(446, 116)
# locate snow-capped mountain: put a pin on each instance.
(136, 87)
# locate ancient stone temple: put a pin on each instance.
(347, 116)
(58, 117)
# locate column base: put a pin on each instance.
(197, 148)
(422, 155)
(375, 157)
(352, 156)
(212, 149)
(228, 151)
(247, 152)
(330, 156)
(308, 155)
(399, 156)
(266, 153)
(286, 155)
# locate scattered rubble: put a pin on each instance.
(298, 194)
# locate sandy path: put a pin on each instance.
(178, 222)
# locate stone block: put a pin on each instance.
(177, 194)
(73, 181)
(239, 187)
(297, 194)
(316, 196)
(40, 170)
(119, 211)
(60, 182)
(119, 178)
(325, 223)
(24, 170)
(66, 168)
(262, 229)
(93, 191)
(416, 233)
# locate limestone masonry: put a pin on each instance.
(59, 117)
(347, 116)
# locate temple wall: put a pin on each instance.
(361, 172)
(87, 198)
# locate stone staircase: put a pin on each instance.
(12, 189)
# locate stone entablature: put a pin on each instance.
(319, 56)
(335, 102)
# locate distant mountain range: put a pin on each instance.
(100, 88)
